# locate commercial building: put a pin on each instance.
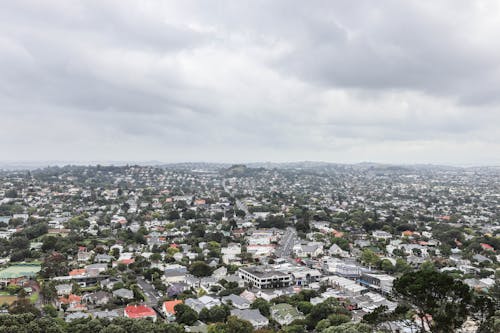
(264, 278)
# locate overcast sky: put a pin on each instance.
(235, 81)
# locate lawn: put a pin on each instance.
(34, 297)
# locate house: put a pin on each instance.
(480, 258)
(231, 254)
(83, 254)
(236, 301)
(249, 296)
(108, 314)
(103, 258)
(381, 235)
(220, 272)
(197, 327)
(174, 273)
(285, 314)
(257, 320)
(97, 298)
(78, 272)
(139, 312)
(198, 304)
(76, 315)
(110, 283)
(168, 307)
(123, 293)
(71, 301)
(487, 247)
(63, 289)
(335, 250)
(95, 269)
(312, 249)
(176, 289)
(236, 279)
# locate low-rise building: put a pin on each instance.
(262, 277)
(139, 312)
(253, 316)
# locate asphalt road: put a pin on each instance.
(287, 242)
(152, 296)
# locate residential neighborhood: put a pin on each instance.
(289, 248)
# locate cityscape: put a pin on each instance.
(237, 166)
(288, 247)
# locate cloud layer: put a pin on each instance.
(412, 82)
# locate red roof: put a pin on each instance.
(169, 306)
(77, 272)
(72, 298)
(126, 261)
(487, 247)
(139, 311)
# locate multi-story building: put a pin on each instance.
(264, 278)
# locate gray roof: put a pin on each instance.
(124, 293)
(235, 299)
(106, 314)
(252, 315)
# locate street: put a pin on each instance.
(286, 243)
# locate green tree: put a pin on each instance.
(437, 294)
(349, 328)
(263, 306)
(50, 310)
(185, 315)
(200, 269)
(235, 325)
(48, 292)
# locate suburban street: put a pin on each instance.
(148, 290)
(286, 243)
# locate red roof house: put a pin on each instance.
(487, 247)
(139, 312)
(168, 307)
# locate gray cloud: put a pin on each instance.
(239, 81)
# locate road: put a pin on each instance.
(239, 204)
(287, 242)
(151, 294)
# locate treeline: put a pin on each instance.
(29, 323)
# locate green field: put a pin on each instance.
(20, 270)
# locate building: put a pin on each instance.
(381, 235)
(123, 293)
(174, 274)
(312, 249)
(168, 308)
(378, 282)
(263, 278)
(335, 250)
(341, 267)
(285, 314)
(257, 320)
(139, 312)
(236, 301)
(198, 304)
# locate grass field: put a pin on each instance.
(34, 297)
